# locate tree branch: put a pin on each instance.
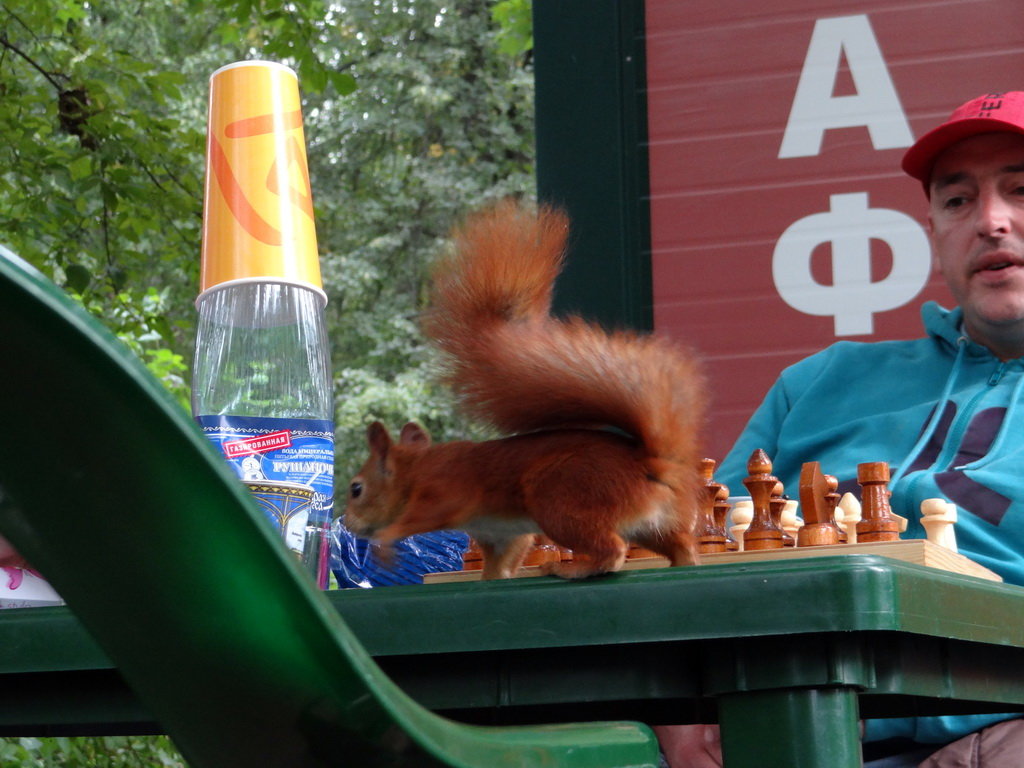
(31, 62)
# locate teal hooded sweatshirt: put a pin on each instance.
(946, 415)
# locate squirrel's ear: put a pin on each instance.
(379, 439)
(413, 434)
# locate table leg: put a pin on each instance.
(790, 728)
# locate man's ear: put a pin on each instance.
(413, 434)
(929, 230)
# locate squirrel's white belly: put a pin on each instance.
(660, 516)
(496, 529)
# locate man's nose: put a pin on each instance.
(993, 215)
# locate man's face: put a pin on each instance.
(976, 225)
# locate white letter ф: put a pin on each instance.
(852, 299)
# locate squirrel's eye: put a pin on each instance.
(355, 490)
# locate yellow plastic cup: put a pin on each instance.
(258, 207)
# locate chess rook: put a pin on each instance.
(877, 522)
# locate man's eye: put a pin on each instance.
(952, 203)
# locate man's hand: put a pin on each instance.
(690, 746)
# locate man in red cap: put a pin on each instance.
(972, 168)
(944, 411)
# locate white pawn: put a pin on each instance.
(938, 517)
(789, 519)
(851, 516)
(742, 513)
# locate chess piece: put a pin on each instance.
(832, 500)
(710, 535)
(635, 553)
(473, 557)
(777, 506)
(790, 520)
(851, 516)
(877, 522)
(742, 514)
(819, 527)
(763, 532)
(721, 512)
(938, 517)
(544, 551)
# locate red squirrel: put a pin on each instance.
(604, 444)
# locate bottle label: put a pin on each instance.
(288, 464)
(286, 506)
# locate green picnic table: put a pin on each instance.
(788, 655)
(186, 615)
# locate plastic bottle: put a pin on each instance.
(262, 370)
(262, 385)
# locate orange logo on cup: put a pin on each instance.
(258, 207)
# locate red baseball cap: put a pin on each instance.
(990, 113)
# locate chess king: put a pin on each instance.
(945, 411)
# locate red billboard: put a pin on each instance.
(781, 222)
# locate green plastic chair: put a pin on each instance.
(112, 492)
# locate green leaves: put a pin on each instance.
(97, 183)
(105, 196)
(87, 752)
(77, 278)
(81, 167)
(441, 123)
(515, 21)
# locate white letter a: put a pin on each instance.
(875, 105)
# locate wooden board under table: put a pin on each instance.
(918, 551)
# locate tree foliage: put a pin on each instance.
(439, 124)
(90, 752)
(98, 182)
(416, 111)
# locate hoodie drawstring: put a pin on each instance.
(933, 422)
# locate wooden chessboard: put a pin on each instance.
(918, 551)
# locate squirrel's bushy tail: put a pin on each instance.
(514, 366)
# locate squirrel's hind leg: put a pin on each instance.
(680, 547)
(596, 554)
